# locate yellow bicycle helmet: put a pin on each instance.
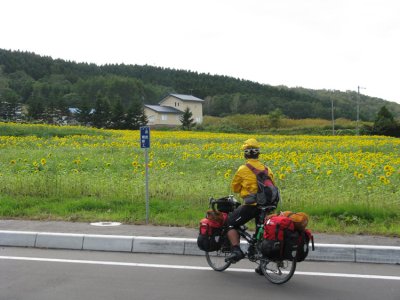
(251, 146)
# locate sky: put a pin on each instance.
(316, 44)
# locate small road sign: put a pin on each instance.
(145, 137)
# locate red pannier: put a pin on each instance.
(283, 241)
(210, 230)
(280, 238)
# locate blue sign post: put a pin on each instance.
(145, 144)
(145, 137)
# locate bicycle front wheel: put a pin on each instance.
(216, 260)
(278, 272)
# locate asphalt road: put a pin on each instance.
(31, 274)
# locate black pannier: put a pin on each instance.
(303, 244)
(210, 231)
(210, 242)
(278, 250)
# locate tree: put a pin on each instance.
(84, 115)
(142, 117)
(385, 124)
(275, 118)
(235, 103)
(186, 119)
(29, 74)
(36, 109)
(102, 113)
(118, 115)
(21, 83)
(9, 102)
(135, 117)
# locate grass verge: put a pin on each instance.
(342, 219)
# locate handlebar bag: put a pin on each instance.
(226, 205)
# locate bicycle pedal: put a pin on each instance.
(231, 260)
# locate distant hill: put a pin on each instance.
(43, 82)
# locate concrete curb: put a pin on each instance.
(183, 246)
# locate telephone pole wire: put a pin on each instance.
(358, 108)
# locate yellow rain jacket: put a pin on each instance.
(245, 182)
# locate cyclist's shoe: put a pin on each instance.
(236, 255)
(258, 271)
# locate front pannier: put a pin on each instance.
(210, 230)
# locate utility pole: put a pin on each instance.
(358, 108)
(333, 118)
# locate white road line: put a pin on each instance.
(162, 266)
(99, 262)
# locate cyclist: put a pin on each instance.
(245, 183)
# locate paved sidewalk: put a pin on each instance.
(178, 240)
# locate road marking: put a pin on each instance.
(162, 266)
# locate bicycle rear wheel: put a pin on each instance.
(278, 272)
(216, 260)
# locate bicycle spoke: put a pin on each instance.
(278, 272)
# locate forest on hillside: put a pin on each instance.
(47, 86)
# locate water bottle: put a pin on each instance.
(260, 233)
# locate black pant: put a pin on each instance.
(242, 215)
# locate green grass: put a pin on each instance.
(42, 130)
(343, 219)
(262, 123)
(356, 219)
(87, 209)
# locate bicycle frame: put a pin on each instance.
(276, 272)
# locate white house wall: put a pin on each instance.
(195, 107)
(155, 118)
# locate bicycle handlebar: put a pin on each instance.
(213, 202)
(231, 199)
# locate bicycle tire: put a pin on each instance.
(216, 260)
(278, 272)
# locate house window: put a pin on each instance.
(164, 117)
(152, 118)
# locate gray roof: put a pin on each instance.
(185, 97)
(164, 109)
(74, 110)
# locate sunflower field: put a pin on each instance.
(345, 183)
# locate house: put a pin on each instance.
(171, 108)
